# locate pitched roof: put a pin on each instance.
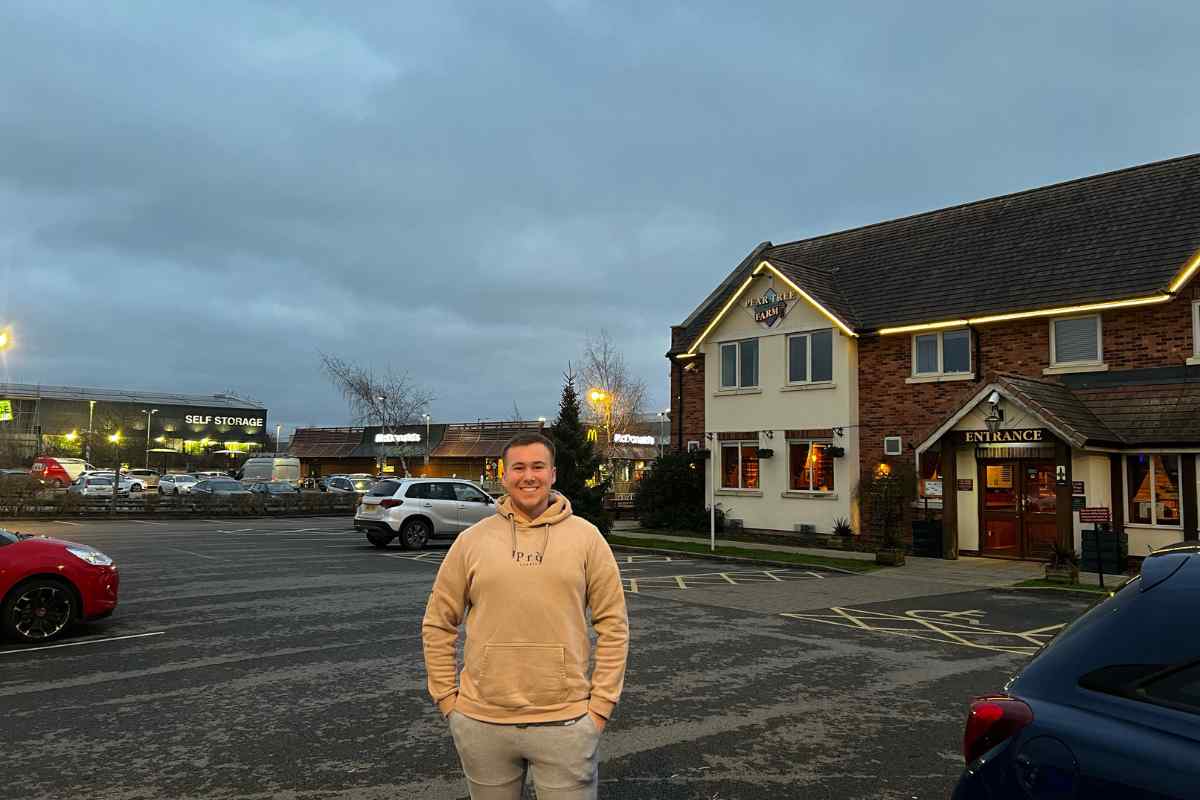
(1150, 407)
(324, 442)
(1112, 236)
(481, 440)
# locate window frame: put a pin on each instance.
(941, 354)
(736, 344)
(808, 357)
(1099, 361)
(738, 444)
(810, 490)
(1153, 523)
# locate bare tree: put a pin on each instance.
(624, 394)
(516, 413)
(390, 399)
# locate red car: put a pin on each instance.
(48, 584)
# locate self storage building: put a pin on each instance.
(1027, 356)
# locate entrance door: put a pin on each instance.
(1018, 514)
(1000, 514)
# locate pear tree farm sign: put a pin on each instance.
(771, 306)
(1010, 436)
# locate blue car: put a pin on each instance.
(1110, 708)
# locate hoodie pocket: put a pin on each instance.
(519, 675)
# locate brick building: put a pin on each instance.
(1026, 354)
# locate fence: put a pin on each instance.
(57, 504)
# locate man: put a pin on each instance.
(528, 575)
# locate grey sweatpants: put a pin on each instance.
(562, 759)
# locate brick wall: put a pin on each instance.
(691, 394)
(1133, 338)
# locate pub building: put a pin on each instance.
(469, 450)
(1033, 358)
(163, 430)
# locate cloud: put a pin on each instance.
(203, 197)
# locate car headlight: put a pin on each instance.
(91, 556)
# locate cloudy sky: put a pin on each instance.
(203, 196)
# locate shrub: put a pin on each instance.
(672, 495)
(841, 527)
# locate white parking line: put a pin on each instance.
(193, 553)
(146, 522)
(77, 644)
(238, 530)
(64, 522)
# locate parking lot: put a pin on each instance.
(260, 658)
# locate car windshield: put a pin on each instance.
(184, 478)
(279, 488)
(362, 484)
(99, 482)
(225, 485)
(384, 489)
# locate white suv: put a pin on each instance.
(418, 509)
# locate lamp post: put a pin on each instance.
(426, 442)
(91, 415)
(116, 440)
(662, 432)
(149, 413)
(278, 433)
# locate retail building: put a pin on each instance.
(171, 431)
(1028, 356)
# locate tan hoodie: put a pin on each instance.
(524, 589)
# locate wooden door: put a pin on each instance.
(1039, 506)
(1000, 508)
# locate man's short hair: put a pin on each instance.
(522, 439)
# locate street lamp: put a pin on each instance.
(91, 413)
(662, 431)
(278, 433)
(426, 441)
(149, 413)
(6, 338)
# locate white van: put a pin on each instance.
(279, 468)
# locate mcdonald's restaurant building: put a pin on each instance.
(1033, 359)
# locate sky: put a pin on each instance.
(200, 197)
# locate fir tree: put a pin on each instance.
(577, 461)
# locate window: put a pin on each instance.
(1161, 684)
(1075, 340)
(930, 483)
(1152, 489)
(810, 357)
(942, 353)
(418, 491)
(468, 494)
(442, 491)
(810, 467)
(739, 364)
(739, 465)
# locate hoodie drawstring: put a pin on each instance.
(512, 522)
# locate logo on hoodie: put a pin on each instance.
(527, 559)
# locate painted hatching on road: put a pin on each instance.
(964, 628)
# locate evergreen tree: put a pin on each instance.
(577, 461)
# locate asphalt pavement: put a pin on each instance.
(260, 658)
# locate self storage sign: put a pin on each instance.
(209, 419)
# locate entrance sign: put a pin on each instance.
(1095, 514)
(933, 488)
(1010, 436)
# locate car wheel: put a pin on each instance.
(378, 539)
(135, 488)
(414, 534)
(38, 611)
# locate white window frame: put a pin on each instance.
(810, 489)
(737, 364)
(1153, 523)
(1099, 361)
(808, 354)
(739, 444)
(941, 365)
(1195, 359)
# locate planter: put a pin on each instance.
(890, 558)
(1066, 575)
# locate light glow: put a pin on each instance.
(832, 317)
(1185, 274)
(1044, 312)
(717, 319)
(5, 338)
(70, 437)
(114, 437)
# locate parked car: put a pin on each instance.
(48, 584)
(173, 483)
(1109, 708)
(58, 472)
(98, 486)
(220, 487)
(212, 473)
(148, 477)
(14, 473)
(340, 484)
(128, 484)
(272, 468)
(418, 509)
(274, 488)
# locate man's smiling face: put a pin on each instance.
(528, 476)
